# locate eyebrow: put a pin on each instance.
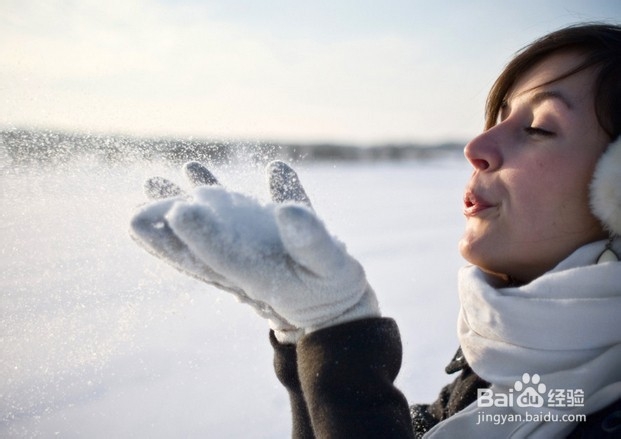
(536, 99)
(545, 95)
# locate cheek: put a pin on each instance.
(529, 194)
(550, 202)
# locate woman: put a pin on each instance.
(539, 320)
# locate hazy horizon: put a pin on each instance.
(326, 71)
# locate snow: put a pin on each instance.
(100, 339)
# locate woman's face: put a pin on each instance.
(527, 202)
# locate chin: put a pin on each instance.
(471, 250)
(485, 260)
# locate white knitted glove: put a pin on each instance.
(278, 257)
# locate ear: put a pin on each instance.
(606, 188)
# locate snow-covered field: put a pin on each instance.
(98, 339)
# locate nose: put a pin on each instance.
(483, 152)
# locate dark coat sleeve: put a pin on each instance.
(346, 375)
(340, 384)
(285, 366)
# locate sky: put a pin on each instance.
(349, 71)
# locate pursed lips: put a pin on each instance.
(474, 204)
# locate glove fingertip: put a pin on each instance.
(158, 188)
(199, 175)
(285, 184)
(277, 166)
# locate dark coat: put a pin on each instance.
(340, 382)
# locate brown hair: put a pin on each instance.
(601, 46)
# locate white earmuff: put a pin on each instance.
(606, 189)
(606, 196)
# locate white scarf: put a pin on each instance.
(564, 326)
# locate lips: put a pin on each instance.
(474, 204)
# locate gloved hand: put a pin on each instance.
(277, 257)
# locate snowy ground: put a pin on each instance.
(100, 340)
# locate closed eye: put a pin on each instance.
(535, 131)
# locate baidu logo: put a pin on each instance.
(529, 391)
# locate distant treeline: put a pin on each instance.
(21, 146)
